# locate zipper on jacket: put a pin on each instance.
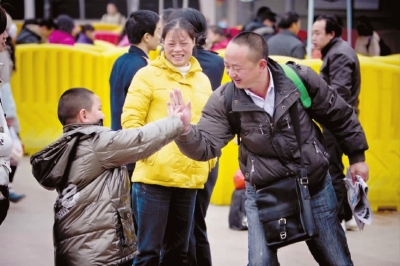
(317, 150)
(260, 126)
(287, 121)
(272, 127)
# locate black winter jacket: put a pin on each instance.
(268, 150)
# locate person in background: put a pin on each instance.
(263, 23)
(35, 31)
(86, 35)
(66, 31)
(286, 42)
(113, 16)
(216, 38)
(92, 213)
(143, 31)
(165, 184)
(7, 58)
(213, 66)
(368, 42)
(341, 70)
(6, 147)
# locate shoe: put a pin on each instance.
(16, 197)
(351, 225)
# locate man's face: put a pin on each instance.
(319, 37)
(95, 114)
(243, 71)
(111, 9)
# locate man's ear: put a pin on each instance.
(145, 37)
(82, 116)
(263, 64)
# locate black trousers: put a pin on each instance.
(336, 169)
(199, 248)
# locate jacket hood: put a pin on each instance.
(264, 30)
(51, 164)
(162, 62)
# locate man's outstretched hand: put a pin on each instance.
(177, 107)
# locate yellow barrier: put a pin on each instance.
(99, 26)
(45, 71)
(393, 59)
(379, 116)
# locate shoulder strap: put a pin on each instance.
(292, 75)
(233, 118)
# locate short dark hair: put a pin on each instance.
(65, 23)
(166, 13)
(87, 27)
(364, 27)
(264, 14)
(331, 24)
(288, 19)
(179, 23)
(48, 23)
(3, 20)
(139, 23)
(71, 102)
(197, 19)
(256, 43)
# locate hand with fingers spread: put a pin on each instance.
(177, 106)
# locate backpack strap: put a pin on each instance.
(292, 75)
(233, 118)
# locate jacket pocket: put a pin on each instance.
(128, 236)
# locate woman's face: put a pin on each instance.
(178, 47)
(3, 38)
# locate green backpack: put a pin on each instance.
(234, 120)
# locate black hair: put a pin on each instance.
(264, 14)
(217, 29)
(288, 19)
(257, 45)
(139, 23)
(332, 24)
(197, 19)
(86, 27)
(179, 23)
(48, 23)
(30, 21)
(71, 102)
(364, 27)
(3, 20)
(65, 23)
(167, 13)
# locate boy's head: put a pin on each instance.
(143, 26)
(79, 105)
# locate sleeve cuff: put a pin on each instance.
(356, 158)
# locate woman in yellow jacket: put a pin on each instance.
(165, 184)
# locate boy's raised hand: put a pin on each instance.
(177, 107)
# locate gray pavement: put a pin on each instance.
(26, 234)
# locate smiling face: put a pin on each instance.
(243, 71)
(178, 46)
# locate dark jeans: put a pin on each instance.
(336, 169)
(199, 247)
(328, 249)
(164, 216)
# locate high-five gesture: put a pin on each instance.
(177, 104)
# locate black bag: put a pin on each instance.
(284, 207)
(237, 212)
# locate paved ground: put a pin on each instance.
(26, 234)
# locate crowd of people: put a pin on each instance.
(138, 193)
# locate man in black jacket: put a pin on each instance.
(341, 70)
(268, 149)
(35, 31)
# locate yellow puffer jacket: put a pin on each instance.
(146, 101)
